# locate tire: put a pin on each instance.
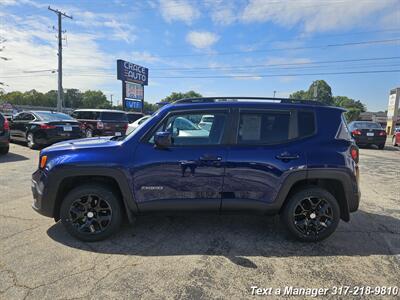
(4, 150)
(89, 133)
(30, 140)
(313, 225)
(394, 141)
(380, 147)
(91, 228)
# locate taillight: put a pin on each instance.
(126, 126)
(356, 132)
(100, 125)
(382, 133)
(354, 153)
(47, 126)
(6, 125)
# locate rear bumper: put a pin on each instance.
(366, 140)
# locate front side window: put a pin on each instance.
(269, 127)
(186, 131)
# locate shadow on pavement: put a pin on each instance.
(12, 157)
(238, 236)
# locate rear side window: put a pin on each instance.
(269, 127)
(343, 131)
(113, 116)
(305, 123)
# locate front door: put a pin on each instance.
(189, 174)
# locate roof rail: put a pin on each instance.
(238, 99)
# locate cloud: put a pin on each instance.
(178, 10)
(202, 39)
(144, 56)
(222, 12)
(314, 15)
(31, 46)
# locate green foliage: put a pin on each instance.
(354, 107)
(324, 94)
(73, 98)
(177, 96)
(318, 90)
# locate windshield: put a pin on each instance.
(367, 125)
(53, 116)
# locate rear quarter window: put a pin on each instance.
(305, 123)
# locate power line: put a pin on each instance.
(288, 48)
(280, 64)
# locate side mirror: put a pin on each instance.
(163, 139)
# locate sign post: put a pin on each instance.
(134, 78)
(392, 112)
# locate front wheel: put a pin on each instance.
(91, 212)
(311, 214)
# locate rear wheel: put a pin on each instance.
(91, 212)
(381, 146)
(4, 150)
(311, 214)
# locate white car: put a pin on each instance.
(134, 125)
(206, 122)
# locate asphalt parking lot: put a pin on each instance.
(196, 257)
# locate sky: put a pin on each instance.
(215, 47)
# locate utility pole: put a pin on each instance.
(274, 93)
(111, 100)
(60, 88)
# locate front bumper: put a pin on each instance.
(41, 202)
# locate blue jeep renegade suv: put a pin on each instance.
(254, 155)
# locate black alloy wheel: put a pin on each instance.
(91, 212)
(311, 214)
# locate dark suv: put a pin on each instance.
(293, 158)
(101, 122)
(4, 135)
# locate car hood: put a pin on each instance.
(86, 143)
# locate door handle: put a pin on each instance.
(210, 158)
(287, 156)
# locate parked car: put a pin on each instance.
(396, 137)
(102, 122)
(43, 128)
(206, 122)
(294, 158)
(367, 133)
(135, 124)
(4, 135)
(133, 116)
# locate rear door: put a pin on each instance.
(266, 151)
(188, 175)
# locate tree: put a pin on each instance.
(95, 99)
(72, 98)
(320, 88)
(177, 96)
(354, 107)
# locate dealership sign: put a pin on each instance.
(134, 78)
(127, 71)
